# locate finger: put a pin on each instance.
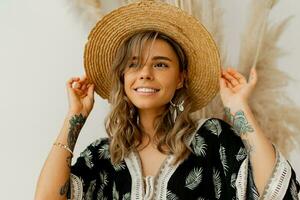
(230, 81)
(84, 81)
(227, 83)
(230, 78)
(71, 81)
(238, 76)
(224, 87)
(91, 91)
(83, 78)
(222, 83)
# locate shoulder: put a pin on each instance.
(217, 127)
(216, 131)
(99, 148)
(94, 152)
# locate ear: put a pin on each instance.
(181, 80)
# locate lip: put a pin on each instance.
(146, 87)
(146, 93)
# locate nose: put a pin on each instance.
(146, 73)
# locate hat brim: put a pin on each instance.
(112, 30)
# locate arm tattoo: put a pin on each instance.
(238, 121)
(241, 126)
(76, 122)
(65, 188)
(69, 161)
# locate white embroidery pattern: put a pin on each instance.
(241, 180)
(160, 182)
(277, 183)
(137, 183)
(76, 187)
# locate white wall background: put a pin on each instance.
(41, 47)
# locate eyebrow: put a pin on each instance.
(155, 58)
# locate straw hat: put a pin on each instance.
(204, 68)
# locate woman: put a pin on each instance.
(156, 65)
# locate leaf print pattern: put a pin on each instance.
(126, 196)
(104, 152)
(120, 166)
(90, 191)
(232, 180)
(194, 178)
(255, 195)
(214, 126)
(199, 145)
(104, 181)
(100, 194)
(87, 155)
(223, 159)
(115, 192)
(234, 130)
(187, 180)
(103, 177)
(171, 196)
(241, 154)
(96, 143)
(293, 190)
(217, 183)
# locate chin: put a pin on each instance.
(149, 105)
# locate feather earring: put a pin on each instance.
(176, 109)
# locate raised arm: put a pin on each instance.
(235, 91)
(53, 182)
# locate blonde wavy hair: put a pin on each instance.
(122, 123)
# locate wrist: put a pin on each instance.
(72, 113)
(235, 107)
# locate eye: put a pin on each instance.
(132, 65)
(161, 65)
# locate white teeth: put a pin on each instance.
(149, 90)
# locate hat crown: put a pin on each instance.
(204, 67)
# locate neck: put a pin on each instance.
(147, 119)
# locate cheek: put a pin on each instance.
(127, 83)
(169, 89)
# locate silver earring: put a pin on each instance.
(137, 119)
(174, 111)
(131, 113)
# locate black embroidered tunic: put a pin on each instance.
(217, 168)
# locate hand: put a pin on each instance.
(80, 95)
(234, 88)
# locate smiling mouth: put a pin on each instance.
(146, 90)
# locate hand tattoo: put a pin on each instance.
(77, 122)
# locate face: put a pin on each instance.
(153, 85)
